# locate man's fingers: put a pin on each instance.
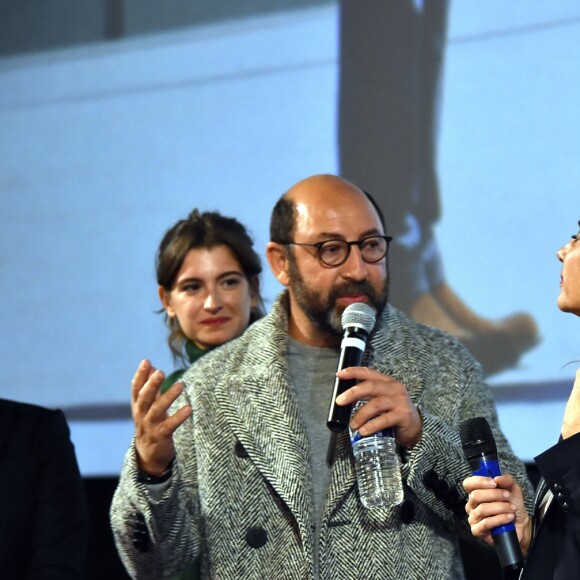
(376, 414)
(370, 377)
(388, 405)
(383, 409)
(145, 372)
(372, 384)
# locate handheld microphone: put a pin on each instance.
(481, 453)
(357, 321)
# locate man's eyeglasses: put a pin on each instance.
(336, 252)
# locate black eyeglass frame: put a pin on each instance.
(319, 246)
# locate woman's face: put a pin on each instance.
(211, 297)
(569, 255)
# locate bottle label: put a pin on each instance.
(356, 436)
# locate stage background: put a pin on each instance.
(116, 119)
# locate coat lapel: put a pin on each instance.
(343, 477)
(261, 411)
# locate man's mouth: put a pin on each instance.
(352, 299)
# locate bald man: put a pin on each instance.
(231, 465)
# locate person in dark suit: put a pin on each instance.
(551, 539)
(43, 513)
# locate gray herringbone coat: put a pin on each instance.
(240, 496)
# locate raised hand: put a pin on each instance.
(154, 428)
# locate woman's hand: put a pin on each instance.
(497, 502)
(154, 428)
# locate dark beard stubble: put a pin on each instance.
(323, 312)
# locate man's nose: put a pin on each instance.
(354, 268)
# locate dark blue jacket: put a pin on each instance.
(43, 512)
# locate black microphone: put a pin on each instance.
(481, 453)
(358, 320)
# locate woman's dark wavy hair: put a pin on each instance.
(205, 230)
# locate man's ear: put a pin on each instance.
(165, 297)
(276, 256)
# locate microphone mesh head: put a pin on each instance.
(476, 436)
(359, 314)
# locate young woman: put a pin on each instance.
(551, 539)
(209, 285)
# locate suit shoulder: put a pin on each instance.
(30, 411)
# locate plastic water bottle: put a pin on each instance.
(378, 467)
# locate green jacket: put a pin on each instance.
(194, 353)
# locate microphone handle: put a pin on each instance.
(505, 538)
(511, 571)
(339, 416)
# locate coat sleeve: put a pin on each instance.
(437, 465)
(157, 534)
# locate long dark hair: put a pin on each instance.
(205, 230)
